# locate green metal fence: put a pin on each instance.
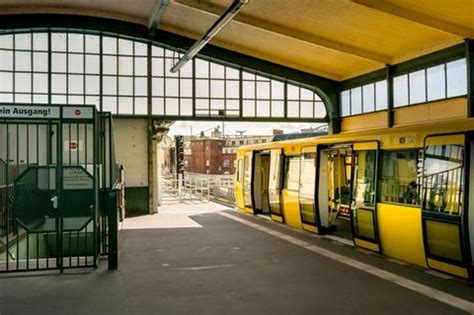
(55, 161)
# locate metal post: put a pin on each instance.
(113, 229)
(180, 187)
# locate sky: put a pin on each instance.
(186, 128)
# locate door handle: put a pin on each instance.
(54, 200)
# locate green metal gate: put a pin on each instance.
(48, 187)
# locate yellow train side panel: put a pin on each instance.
(248, 210)
(291, 208)
(310, 228)
(401, 233)
(367, 245)
(239, 197)
(448, 268)
(276, 218)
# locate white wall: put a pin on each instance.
(131, 149)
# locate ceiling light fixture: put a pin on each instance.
(231, 11)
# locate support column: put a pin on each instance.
(159, 188)
(152, 169)
(156, 132)
(390, 107)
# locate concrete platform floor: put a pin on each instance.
(230, 263)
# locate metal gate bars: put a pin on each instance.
(49, 187)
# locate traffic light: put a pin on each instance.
(179, 141)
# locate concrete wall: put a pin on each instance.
(131, 151)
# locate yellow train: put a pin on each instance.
(405, 192)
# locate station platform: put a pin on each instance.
(205, 258)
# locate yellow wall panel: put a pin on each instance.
(431, 112)
(401, 233)
(291, 208)
(364, 122)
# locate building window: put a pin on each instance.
(443, 178)
(115, 78)
(368, 98)
(434, 83)
(207, 162)
(226, 163)
(399, 182)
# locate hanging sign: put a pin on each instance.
(78, 112)
(26, 111)
(76, 178)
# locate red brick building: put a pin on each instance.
(205, 156)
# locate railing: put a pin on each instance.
(8, 172)
(200, 187)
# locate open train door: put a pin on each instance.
(444, 209)
(364, 192)
(275, 184)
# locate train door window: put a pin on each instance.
(364, 193)
(275, 181)
(307, 187)
(399, 180)
(239, 170)
(292, 173)
(248, 180)
(443, 178)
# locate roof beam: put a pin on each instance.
(417, 17)
(287, 32)
(159, 9)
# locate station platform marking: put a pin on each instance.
(432, 293)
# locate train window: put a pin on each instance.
(443, 178)
(239, 170)
(308, 172)
(292, 173)
(364, 178)
(399, 182)
(307, 187)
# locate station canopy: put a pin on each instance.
(335, 39)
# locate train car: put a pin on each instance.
(405, 192)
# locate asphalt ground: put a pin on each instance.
(227, 267)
